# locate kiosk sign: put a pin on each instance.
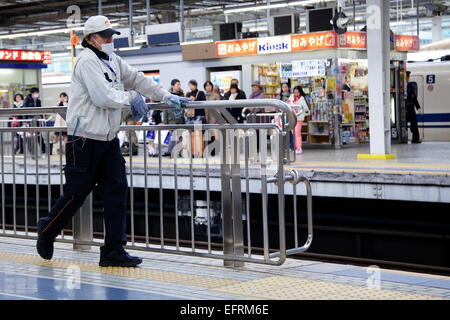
(274, 44)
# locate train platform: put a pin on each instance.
(75, 275)
(419, 172)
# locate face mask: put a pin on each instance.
(107, 48)
(36, 95)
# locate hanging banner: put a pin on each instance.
(353, 40)
(314, 41)
(406, 43)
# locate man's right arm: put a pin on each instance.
(101, 92)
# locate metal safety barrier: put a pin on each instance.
(231, 159)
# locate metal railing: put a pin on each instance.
(234, 164)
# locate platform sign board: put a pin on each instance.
(353, 40)
(406, 43)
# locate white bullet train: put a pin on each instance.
(433, 92)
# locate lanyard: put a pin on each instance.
(110, 68)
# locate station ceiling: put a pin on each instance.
(32, 15)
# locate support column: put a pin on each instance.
(182, 19)
(99, 7)
(147, 6)
(378, 54)
(436, 29)
(130, 5)
(270, 29)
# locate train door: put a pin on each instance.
(418, 84)
(397, 101)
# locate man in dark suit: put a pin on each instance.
(411, 102)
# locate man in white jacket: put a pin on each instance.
(99, 81)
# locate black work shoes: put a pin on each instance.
(117, 257)
(44, 246)
(125, 149)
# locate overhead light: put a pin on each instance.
(274, 6)
(129, 48)
(196, 42)
(3, 91)
(43, 32)
(62, 54)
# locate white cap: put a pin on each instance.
(100, 25)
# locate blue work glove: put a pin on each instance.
(176, 101)
(139, 108)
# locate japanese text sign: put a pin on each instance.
(406, 43)
(24, 55)
(313, 41)
(236, 48)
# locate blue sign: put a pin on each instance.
(431, 79)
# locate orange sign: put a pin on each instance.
(314, 41)
(353, 40)
(236, 48)
(406, 43)
(47, 57)
(74, 40)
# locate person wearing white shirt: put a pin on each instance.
(301, 109)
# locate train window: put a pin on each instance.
(414, 85)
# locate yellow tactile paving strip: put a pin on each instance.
(365, 166)
(138, 273)
(286, 288)
(270, 287)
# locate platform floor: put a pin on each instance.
(24, 275)
(425, 158)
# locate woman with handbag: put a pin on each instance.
(195, 116)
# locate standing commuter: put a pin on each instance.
(285, 93)
(195, 116)
(235, 94)
(93, 153)
(18, 103)
(411, 102)
(300, 107)
(33, 101)
(236, 82)
(60, 122)
(173, 116)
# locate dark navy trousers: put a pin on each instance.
(90, 163)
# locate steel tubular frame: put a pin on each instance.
(238, 167)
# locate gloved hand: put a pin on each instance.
(419, 110)
(175, 100)
(139, 108)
